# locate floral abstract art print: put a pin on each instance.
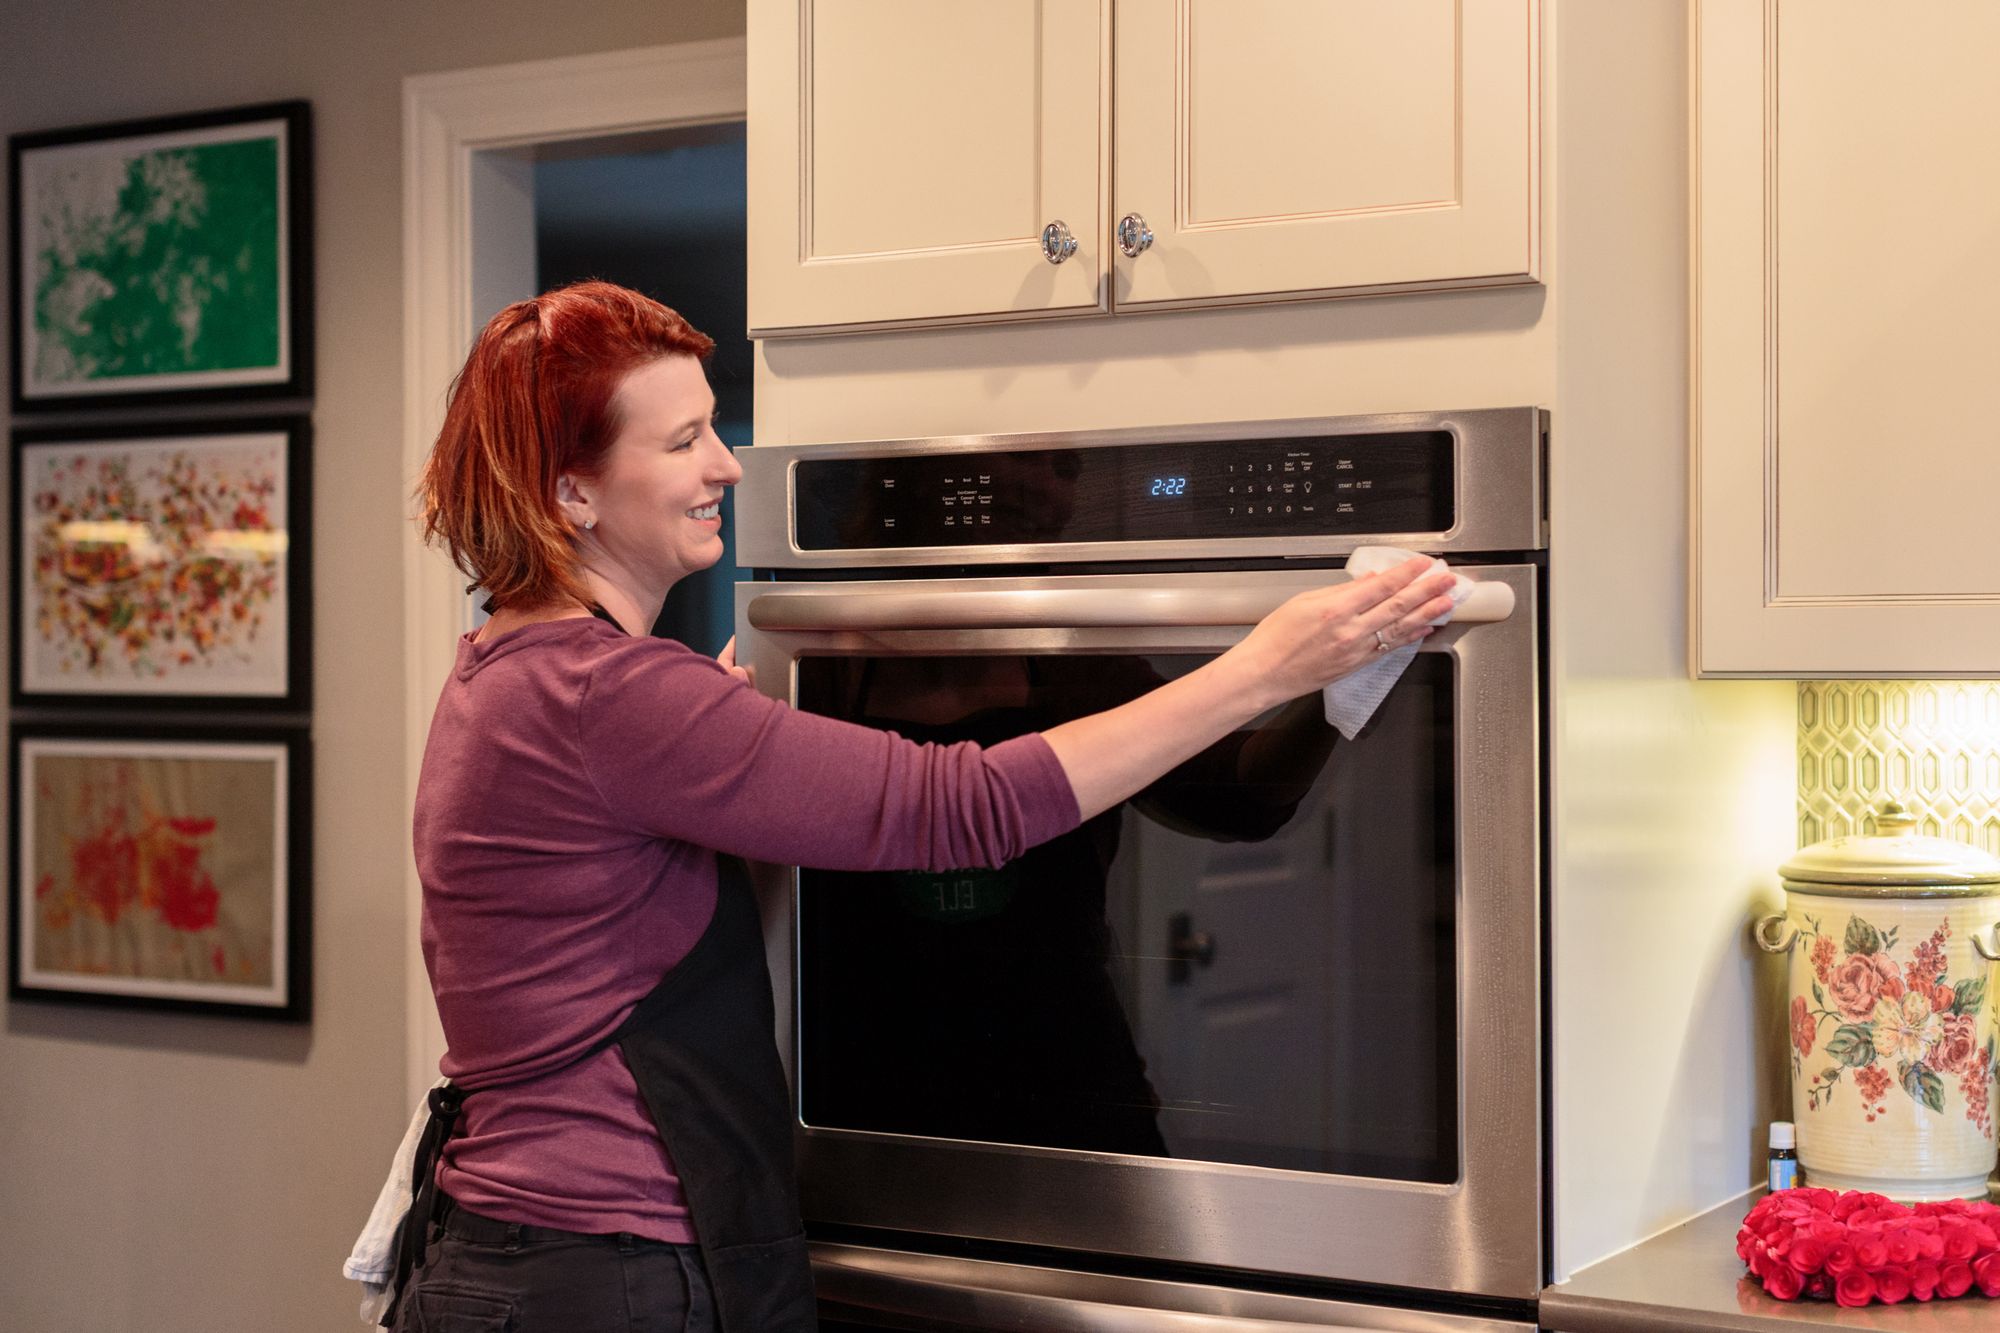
(156, 258)
(158, 871)
(160, 566)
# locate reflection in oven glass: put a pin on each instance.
(1252, 961)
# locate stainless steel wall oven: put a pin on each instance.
(1260, 1047)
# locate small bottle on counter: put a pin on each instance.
(1784, 1156)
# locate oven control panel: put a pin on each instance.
(1301, 486)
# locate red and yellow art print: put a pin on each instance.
(154, 870)
(155, 566)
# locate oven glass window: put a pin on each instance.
(1253, 961)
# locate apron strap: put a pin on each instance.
(413, 1232)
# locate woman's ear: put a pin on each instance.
(576, 506)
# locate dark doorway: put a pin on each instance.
(664, 214)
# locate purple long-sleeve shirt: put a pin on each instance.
(576, 787)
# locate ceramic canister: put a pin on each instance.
(1892, 1010)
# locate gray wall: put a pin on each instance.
(165, 1173)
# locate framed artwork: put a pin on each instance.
(163, 867)
(162, 261)
(165, 566)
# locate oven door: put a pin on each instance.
(1280, 1012)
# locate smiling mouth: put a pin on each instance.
(706, 511)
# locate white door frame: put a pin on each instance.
(456, 128)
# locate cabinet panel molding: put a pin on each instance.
(1296, 149)
(904, 157)
(1843, 418)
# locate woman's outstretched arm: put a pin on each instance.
(1310, 641)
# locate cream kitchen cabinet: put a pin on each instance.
(905, 157)
(908, 159)
(1844, 399)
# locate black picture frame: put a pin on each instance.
(32, 899)
(33, 683)
(80, 165)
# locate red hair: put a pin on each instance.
(535, 400)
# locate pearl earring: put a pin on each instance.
(589, 523)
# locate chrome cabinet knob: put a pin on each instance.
(1057, 243)
(1134, 235)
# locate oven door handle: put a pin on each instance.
(1055, 608)
(855, 1283)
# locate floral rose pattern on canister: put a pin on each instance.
(1804, 1030)
(154, 564)
(1859, 981)
(1891, 1025)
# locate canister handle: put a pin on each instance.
(1987, 944)
(1782, 941)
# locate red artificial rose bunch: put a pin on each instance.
(1856, 1248)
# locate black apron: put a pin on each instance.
(701, 1048)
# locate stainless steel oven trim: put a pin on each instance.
(1058, 608)
(1499, 473)
(1479, 1235)
(932, 1291)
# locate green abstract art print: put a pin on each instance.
(158, 263)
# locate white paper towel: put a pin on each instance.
(1353, 699)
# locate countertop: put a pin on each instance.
(1689, 1279)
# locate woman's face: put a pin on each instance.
(657, 502)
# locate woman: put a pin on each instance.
(622, 1159)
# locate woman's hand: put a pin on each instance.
(1319, 636)
(748, 675)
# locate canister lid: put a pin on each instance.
(1896, 858)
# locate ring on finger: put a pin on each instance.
(1382, 644)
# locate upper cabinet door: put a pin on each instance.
(905, 157)
(1844, 395)
(1298, 148)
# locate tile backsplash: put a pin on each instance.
(1933, 745)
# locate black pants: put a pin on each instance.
(481, 1275)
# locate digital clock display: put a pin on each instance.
(1166, 486)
